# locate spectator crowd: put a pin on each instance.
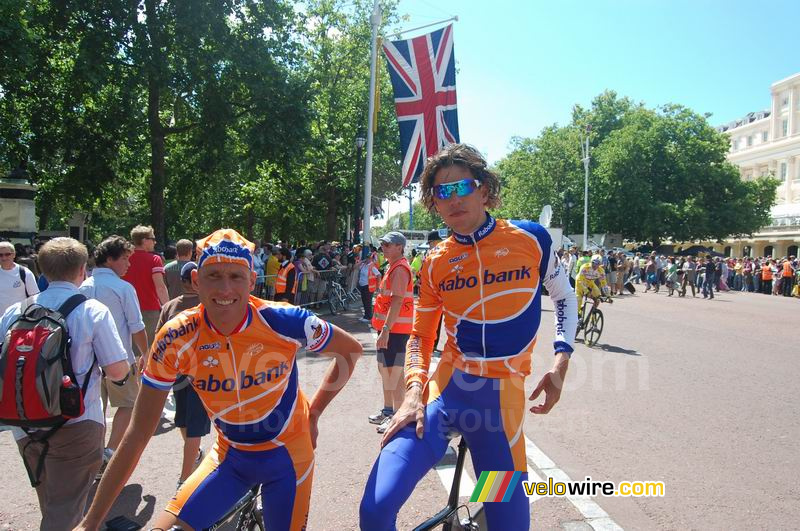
(704, 274)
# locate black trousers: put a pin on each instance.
(366, 300)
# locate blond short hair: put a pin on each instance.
(9, 246)
(140, 233)
(184, 247)
(62, 258)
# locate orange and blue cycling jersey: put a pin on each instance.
(248, 383)
(488, 284)
(248, 380)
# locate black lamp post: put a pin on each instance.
(360, 143)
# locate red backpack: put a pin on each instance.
(38, 387)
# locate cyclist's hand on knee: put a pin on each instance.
(412, 410)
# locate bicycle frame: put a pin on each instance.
(451, 510)
(247, 504)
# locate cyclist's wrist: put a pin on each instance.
(414, 388)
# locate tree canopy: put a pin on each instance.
(193, 114)
(655, 174)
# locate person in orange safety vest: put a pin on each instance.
(393, 317)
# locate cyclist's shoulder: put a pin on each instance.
(182, 323)
(282, 317)
(529, 228)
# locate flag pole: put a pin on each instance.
(399, 33)
(375, 20)
(410, 209)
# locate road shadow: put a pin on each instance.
(128, 502)
(611, 348)
(164, 426)
(618, 350)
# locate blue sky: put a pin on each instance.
(524, 64)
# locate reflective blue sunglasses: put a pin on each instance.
(461, 188)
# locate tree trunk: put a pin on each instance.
(267, 224)
(330, 216)
(158, 177)
(249, 220)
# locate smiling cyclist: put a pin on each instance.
(239, 352)
(487, 280)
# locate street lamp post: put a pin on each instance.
(586, 158)
(360, 143)
(568, 203)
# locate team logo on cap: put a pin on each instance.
(226, 246)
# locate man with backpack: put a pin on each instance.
(61, 440)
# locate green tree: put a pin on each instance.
(655, 174)
(663, 174)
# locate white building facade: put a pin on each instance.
(765, 143)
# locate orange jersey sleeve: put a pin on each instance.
(426, 319)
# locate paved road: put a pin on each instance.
(701, 395)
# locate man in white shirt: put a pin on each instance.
(12, 287)
(106, 285)
(76, 449)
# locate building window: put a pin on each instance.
(785, 102)
(749, 140)
(764, 136)
(783, 171)
(785, 127)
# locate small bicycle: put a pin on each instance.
(448, 517)
(591, 320)
(338, 300)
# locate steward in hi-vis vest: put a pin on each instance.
(393, 317)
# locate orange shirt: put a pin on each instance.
(247, 380)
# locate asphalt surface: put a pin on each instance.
(701, 395)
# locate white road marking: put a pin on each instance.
(447, 473)
(594, 515)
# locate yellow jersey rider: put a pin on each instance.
(591, 280)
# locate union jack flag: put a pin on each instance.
(423, 74)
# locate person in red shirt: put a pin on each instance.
(146, 273)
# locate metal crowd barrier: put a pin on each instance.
(312, 289)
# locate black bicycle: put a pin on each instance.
(591, 320)
(448, 518)
(246, 513)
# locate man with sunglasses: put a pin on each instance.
(17, 282)
(487, 279)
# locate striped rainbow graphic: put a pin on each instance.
(495, 486)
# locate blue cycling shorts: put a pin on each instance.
(285, 475)
(489, 413)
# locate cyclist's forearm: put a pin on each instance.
(146, 414)
(418, 359)
(345, 351)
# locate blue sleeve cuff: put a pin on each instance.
(562, 346)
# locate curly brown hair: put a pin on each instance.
(467, 157)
